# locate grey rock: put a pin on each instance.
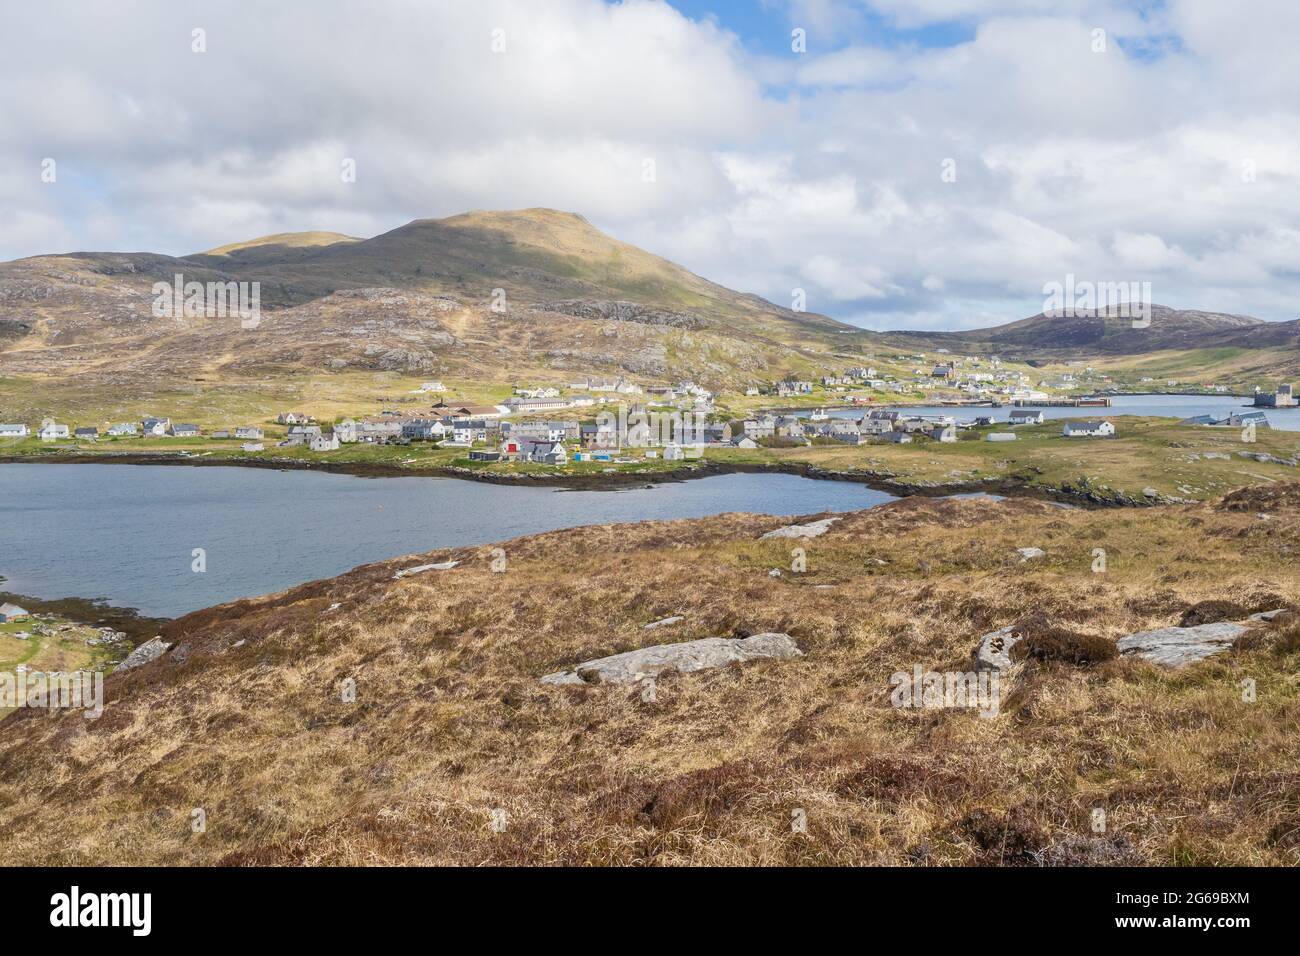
(1176, 646)
(420, 568)
(150, 650)
(812, 529)
(688, 656)
(1267, 615)
(993, 653)
(662, 622)
(1028, 553)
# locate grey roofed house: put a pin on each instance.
(87, 432)
(10, 612)
(16, 430)
(185, 429)
(123, 428)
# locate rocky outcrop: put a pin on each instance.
(421, 568)
(150, 650)
(1176, 646)
(812, 529)
(625, 312)
(633, 666)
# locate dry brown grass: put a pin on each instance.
(450, 722)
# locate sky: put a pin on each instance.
(929, 164)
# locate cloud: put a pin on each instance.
(1167, 155)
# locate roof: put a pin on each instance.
(1090, 426)
(12, 610)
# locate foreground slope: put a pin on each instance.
(245, 717)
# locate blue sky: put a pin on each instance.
(764, 27)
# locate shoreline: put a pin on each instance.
(877, 481)
(91, 612)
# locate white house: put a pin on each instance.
(1080, 429)
(328, 442)
(14, 431)
(248, 431)
(52, 431)
(155, 426)
(123, 428)
(346, 431)
(254, 446)
(944, 433)
(1026, 416)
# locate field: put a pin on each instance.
(452, 752)
(64, 649)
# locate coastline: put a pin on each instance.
(1073, 494)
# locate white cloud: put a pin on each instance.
(1169, 157)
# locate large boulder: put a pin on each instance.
(1175, 646)
(993, 653)
(813, 529)
(633, 666)
(148, 651)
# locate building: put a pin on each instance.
(12, 612)
(185, 431)
(944, 433)
(18, 430)
(1282, 398)
(328, 442)
(422, 429)
(470, 411)
(898, 438)
(375, 430)
(155, 426)
(53, 431)
(293, 418)
(1026, 416)
(251, 432)
(483, 454)
(254, 446)
(123, 428)
(347, 431)
(1088, 429)
(546, 430)
(521, 404)
(88, 433)
(1001, 436)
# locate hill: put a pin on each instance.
(452, 752)
(488, 298)
(1107, 333)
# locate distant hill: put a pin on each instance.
(1102, 333)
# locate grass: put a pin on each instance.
(449, 723)
(66, 650)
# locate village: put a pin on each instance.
(616, 420)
